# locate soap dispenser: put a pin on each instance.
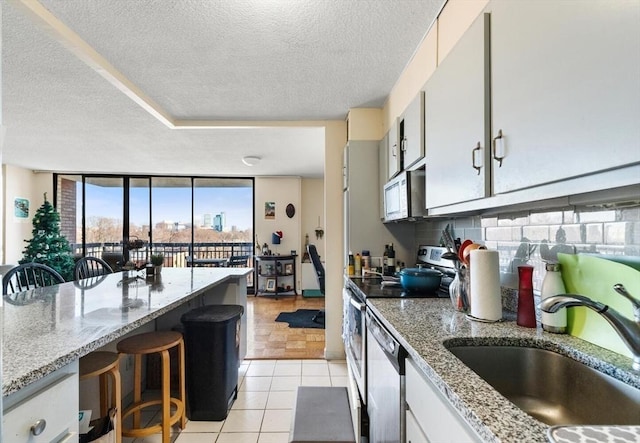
(552, 284)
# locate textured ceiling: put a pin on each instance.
(234, 60)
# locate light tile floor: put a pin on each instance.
(263, 410)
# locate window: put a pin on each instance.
(176, 216)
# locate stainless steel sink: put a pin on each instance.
(551, 387)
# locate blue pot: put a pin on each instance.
(420, 279)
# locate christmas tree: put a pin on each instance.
(48, 246)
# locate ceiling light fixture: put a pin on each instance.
(251, 160)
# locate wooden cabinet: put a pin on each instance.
(275, 275)
(457, 122)
(432, 413)
(412, 129)
(46, 411)
(565, 89)
(394, 163)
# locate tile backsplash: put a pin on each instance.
(533, 237)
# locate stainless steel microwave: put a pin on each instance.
(404, 197)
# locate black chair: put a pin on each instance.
(91, 267)
(319, 268)
(29, 276)
(237, 261)
(115, 260)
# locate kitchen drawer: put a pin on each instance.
(56, 403)
(432, 412)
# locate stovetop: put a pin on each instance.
(372, 288)
(428, 256)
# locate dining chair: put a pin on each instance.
(29, 276)
(91, 267)
(237, 261)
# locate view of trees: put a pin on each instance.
(109, 230)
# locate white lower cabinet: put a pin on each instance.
(430, 417)
(47, 413)
(414, 433)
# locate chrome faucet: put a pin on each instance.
(628, 330)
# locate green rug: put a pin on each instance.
(312, 293)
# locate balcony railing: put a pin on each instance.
(175, 254)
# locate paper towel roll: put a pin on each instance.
(484, 285)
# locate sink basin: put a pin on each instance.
(551, 387)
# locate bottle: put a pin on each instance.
(552, 284)
(391, 260)
(357, 267)
(366, 261)
(351, 265)
(526, 309)
(385, 260)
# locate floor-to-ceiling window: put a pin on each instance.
(128, 218)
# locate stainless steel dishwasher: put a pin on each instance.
(385, 387)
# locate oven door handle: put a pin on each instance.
(356, 304)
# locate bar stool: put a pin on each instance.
(150, 343)
(102, 364)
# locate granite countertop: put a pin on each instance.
(47, 328)
(424, 325)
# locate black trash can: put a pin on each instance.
(212, 343)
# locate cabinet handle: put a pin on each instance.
(403, 144)
(38, 427)
(394, 148)
(475, 150)
(498, 148)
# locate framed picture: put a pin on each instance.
(21, 208)
(269, 210)
(288, 268)
(271, 285)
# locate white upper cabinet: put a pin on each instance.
(393, 151)
(382, 172)
(412, 121)
(456, 122)
(565, 89)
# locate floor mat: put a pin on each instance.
(303, 318)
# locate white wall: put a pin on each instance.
(282, 191)
(335, 140)
(23, 183)
(313, 211)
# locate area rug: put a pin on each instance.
(302, 318)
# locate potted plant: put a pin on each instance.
(157, 260)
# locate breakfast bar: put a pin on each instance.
(47, 330)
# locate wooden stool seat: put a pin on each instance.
(102, 364)
(150, 343)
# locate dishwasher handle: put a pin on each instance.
(393, 350)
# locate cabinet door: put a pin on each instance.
(55, 407)
(414, 433)
(363, 228)
(433, 413)
(382, 173)
(456, 122)
(345, 163)
(393, 151)
(565, 89)
(413, 138)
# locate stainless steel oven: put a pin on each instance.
(354, 336)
